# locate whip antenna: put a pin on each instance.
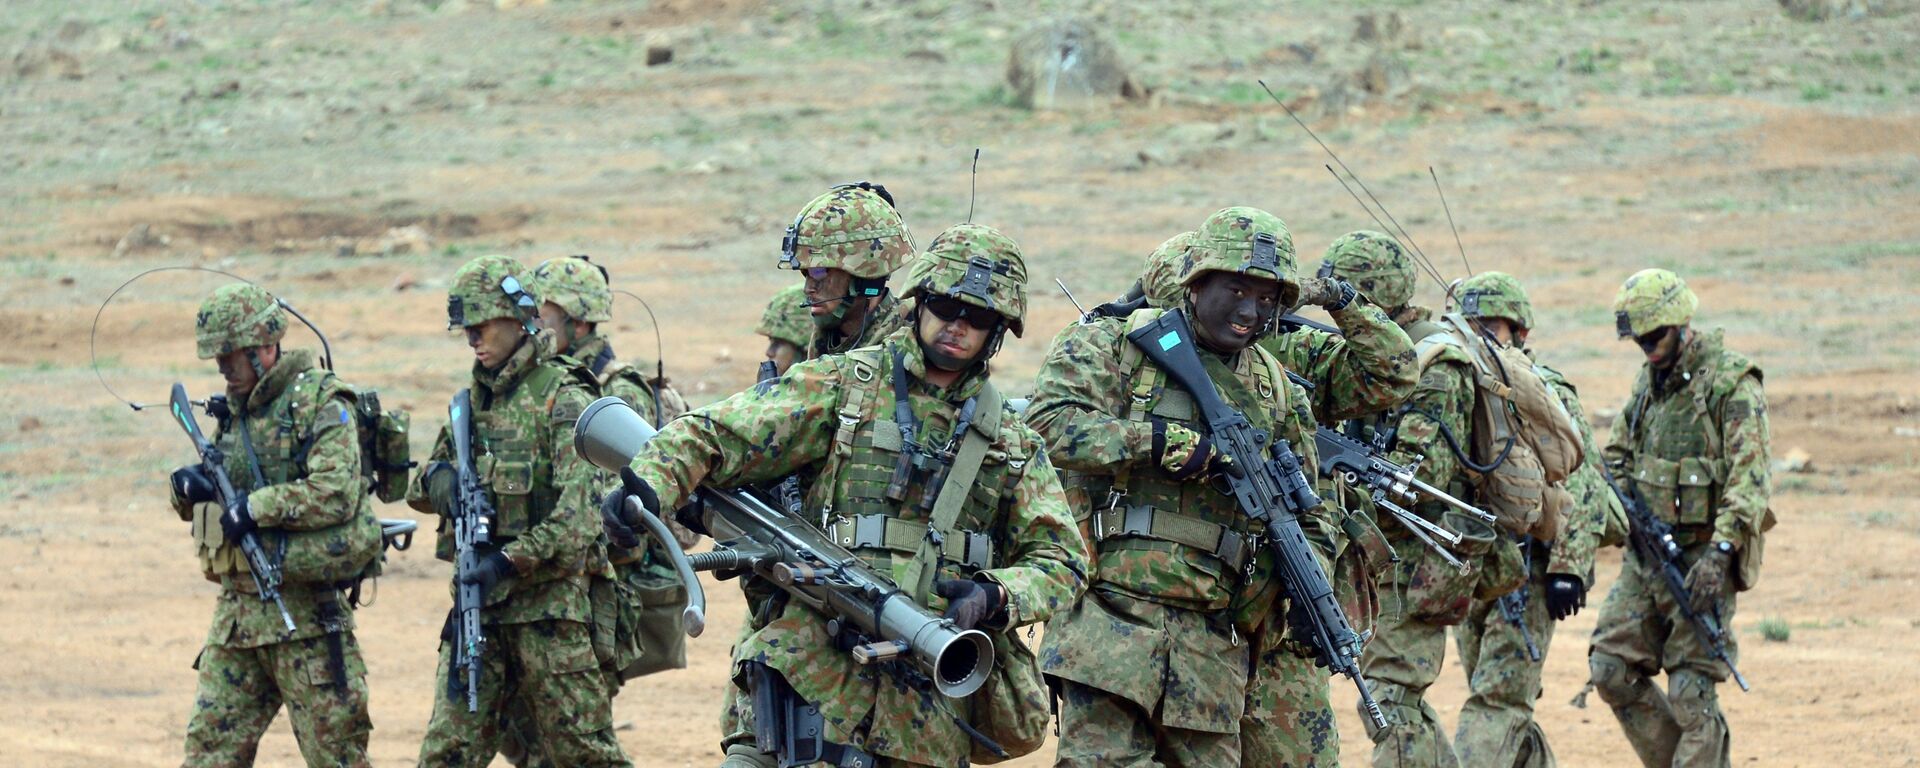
(973, 191)
(1450, 224)
(1420, 261)
(93, 334)
(659, 357)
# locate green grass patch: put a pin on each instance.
(1815, 92)
(1775, 630)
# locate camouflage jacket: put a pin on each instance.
(786, 319)
(1593, 501)
(811, 418)
(884, 319)
(300, 424)
(634, 382)
(1367, 368)
(547, 519)
(1695, 444)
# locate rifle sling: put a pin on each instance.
(918, 579)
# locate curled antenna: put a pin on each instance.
(1412, 246)
(1450, 224)
(93, 334)
(973, 184)
(326, 349)
(659, 356)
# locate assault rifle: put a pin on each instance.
(870, 616)
(787, 491)
(1272, 488)
(266, 571)
(1513, 606)
(1362, 464)
(472, 541)
(1651, 539)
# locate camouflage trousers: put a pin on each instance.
(241, 689)
(1496, 724)
(547, 666)
(1400, 664)
(1642, 632)
(1100, 729)
(1289, 718)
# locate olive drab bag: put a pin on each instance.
(1519, 429)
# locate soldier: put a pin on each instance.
(1404, 657)
(1151, 665)
(788, 327)
(844, 244)
(251, 663)
(1012, 557)
(1693, 440)
(1503, 665)
(539, 653)
(575, 298)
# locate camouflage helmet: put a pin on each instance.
(786, 318)
(1245, 240)
(1161, 280)
(1652, 299)
(1495, 294)
(576, 285)
(976, 264)
(852, 227)
(1375, 264)
(238, 316)
(487, 288)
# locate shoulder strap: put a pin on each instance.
(953, 495)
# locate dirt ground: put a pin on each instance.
(351, 155)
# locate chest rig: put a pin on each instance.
(1677, 438)
(880, 492)
(1142, 507)
(511, 435)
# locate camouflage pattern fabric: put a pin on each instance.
(1652, 299)
(849, 228)
(1495, 294)
(241, 689)
(1109, 730)
(1706, 417)
(1289, 719)
(251, 664)
(476, 295)
(1496, 724)
(1160, 280)
(786, 319)
(788, 424)
(885, 318)
(1367, 368)
(237, 316)
(576, 285)
(949, 261)
(550, 668)
(1376, 265)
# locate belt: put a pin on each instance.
(970, 548)
(1231, 546)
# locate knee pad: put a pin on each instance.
(1694, 698)
(1617, 684)
(747, 756)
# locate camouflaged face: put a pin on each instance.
(786, 318)
(1652, 299)
(1245, 240)
(1495, 294)
(976, 264)
(1375, 264)
(237, 316)
(476, 295)
(1161, 280)
(852, 228)
(577, 286)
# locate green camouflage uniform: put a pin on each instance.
(251, 664)
(1152, 664)
(786, 319)
(1496, 723)
(539, 647)
(1694, 443)
(834, 416)
(852, 227)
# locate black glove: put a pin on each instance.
(442, 486)
(192, 485)
(1565, 595)
(489, 572)
(969, 602)
(237, 521)
(613, 518)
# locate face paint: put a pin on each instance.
(553, 318)
(239, 373)
(494, 341)
(1662, 347)
(1230, 310)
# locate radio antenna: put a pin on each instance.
(1450, 224)
(659, 357)
(973, 183)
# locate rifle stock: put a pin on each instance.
(266, 572)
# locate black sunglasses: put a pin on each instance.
(952, 310)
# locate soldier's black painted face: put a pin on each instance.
(1230, 308)
(1661, 346)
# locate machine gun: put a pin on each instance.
(1391, 485)
(1652, 541)
(867, 612)
(473, 541)
(1513, 606)
(787, 491)
(1271, 488)
(266, 572)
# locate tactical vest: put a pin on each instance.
(271, 449)
(861, 506)
(1143, 507)
(1679, 467)
(511, 452)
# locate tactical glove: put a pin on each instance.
(1180, 451)
(1565, 595)
(442, 484)
(1707, 579)
(191, 485)
(237, 521)
(969, 603)
(613, 518)
(1329, 292)
(489, 572)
